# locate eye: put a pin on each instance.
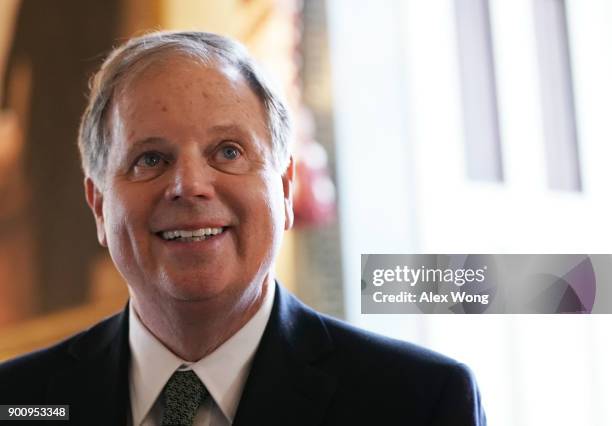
(230, 152)
(230, 157)
(149, 160)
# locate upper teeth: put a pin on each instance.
(169, 235)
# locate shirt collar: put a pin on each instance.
(223, 372)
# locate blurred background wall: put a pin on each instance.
(446, 126)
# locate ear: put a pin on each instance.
(288, 193)
(95, 200)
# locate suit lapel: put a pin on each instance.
(285, 386)
(97, 388)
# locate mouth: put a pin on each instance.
(191, 235)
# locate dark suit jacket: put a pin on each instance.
(308, 370)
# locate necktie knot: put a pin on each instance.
(183, 394)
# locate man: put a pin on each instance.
(189, 178)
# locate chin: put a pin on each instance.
(196, 288)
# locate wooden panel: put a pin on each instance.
(8, 12)
(235, 18)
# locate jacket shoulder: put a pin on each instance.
(372, 354)
(379, 371)
(24, 379)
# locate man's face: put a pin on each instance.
(193, 206)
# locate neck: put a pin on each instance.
(194, 329)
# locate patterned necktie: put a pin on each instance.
(183, 394)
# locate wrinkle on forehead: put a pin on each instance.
(163, 62)
(221, 83)
(179, 85)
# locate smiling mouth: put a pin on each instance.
(194, 235)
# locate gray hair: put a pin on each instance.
(136, 54)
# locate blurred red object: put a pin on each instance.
(314, 201)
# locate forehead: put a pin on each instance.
(186, 90)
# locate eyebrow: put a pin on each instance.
(139, 144)
(156, 140)
(221, 128)
(148, 141)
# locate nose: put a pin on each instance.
(191, 179)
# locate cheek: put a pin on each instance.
(121, 223)
(267, 201)
(260, 207)
(270, 214)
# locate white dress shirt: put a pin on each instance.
(223, 372)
